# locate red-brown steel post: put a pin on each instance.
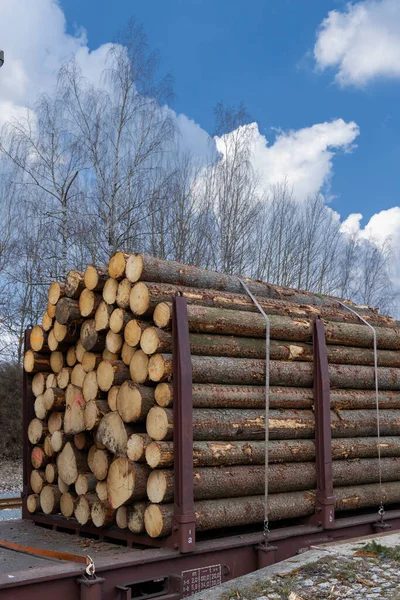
(325, 500)
(184, 519)
(27, 415)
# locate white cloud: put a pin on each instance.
(382, 226)
(304, 157)
(362, 42)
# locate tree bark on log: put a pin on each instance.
(91, 339)
(145, 297)
(137, 446)
(102, 514)
(113, 433)
(83, 508)
(86, 482)
(241, 424)
(123, 294)
(126, 481)
(229, 322)
(246, 371)
(134, 401)
(36, 363)
(233, 512)
(94, 412)
(74, 284)
(68, 312)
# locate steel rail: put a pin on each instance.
(6, 503)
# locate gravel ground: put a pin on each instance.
(10, 476)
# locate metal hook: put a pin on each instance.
(90, 568)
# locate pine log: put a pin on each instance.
(99, 462)
(78, 375)
(232, 512)
(71, 356)
(39, 407)
(107, 355)
(102, 316)
(242, 424)
(83, 441)
(47, 446)
(121, 517)
(56, 361)
(47, 321)
(139, 367)
(39, 383)
(74, 284)
(135, 517)
(59, 332)
(110, 290)
(38, 339)
(37, 480)
(228, 322)
(54, 399)
(126, 353)
(50, 499)
(86, 482)
(112, 397)
(90, 388)
(88, 303)
(126, 481)
(62, 486)
(71, 462)
(134, 401)
(101, 490)
(37, 430)
(116, 265)
(38, 458)
(94, 412)
(83, 508)
(249, 480)
(79, 351)
(56, 291)
(123, 294)
(145, 297)
(33, 503)
(51, 473)
(51, 310)
(74, 420)
(35, 362)
(246, 371)
(55, 421)
(111, 373)
(113, 433)
(68, 312)
(63, 378)
(67, 504)
(119, 319)
(147, 268)
(114, 342)
(102, 514)
(58, 439)
(91, 361)
(95, 278)
(133, 332)
(137, 447)
(90, 338)
(51, 340)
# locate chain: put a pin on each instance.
(381, 510)
(266, 530)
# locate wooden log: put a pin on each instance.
(38, 339)
(35, 362)
(51, 310)
(90, 388)
(94, 412)
(242, 424)
(39, 383)
(74, 284)
(51, 340)
(51, 473)
(58, 439)
(67, 504)
(47, 446)
(37, 480)
(246, 371)
(39, 459)
(137, 447)
(55, 421)
(91, 361)
(107, 355)
(212, 454)
(90, 338)
(101, 490)
(119, 319)
(110, 290)
(63, 378)
(102, 316)
(68, 312)
(50, 499)
(62, 486)
(88, 303)
(54, 399)
(78, 375)
(135, 517)
(139, 367)
(145, 297)
(121, 517)
(95, 278)
(126, 353)
(83, 441)
(71, 356)
(74, 420)
(112, 397)
(228, 322)
(113, 433)
(99, 461)
(33, 503)
(126, 481)
(56, 361)
(86, 482)
(133, 332)
(114, 342)
(59, 332)
(39, 407)
(111, 373)
(83, 508)
(123, 293)
(79, 351)
(56, 292)
(47, 321)
(102, 514)
(51, 381)
(116, 265)
(134, 401)
(71, 462)
(37, 431)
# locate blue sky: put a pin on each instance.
(260, 52)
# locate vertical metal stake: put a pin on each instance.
(28, 400)
(325, 500)
(183, 530)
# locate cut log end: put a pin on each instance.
(36, 431)
(132, 333)
(163, 394)
(155, 522)
(50, 499)
(134, 267)
(159, 367)
(162, 315)
(139, 367)
(37, 338)
(149, 341)
(67, 502)
(158, 424)
(116, 265)
(157, 486)
(121, 518)
(95, 277)
(56, 291)
(102, 514)
(139, 299)
(33, 503)
(110, 291)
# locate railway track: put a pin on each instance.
(10, 503)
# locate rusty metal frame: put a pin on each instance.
(325, 501)
(28, 414)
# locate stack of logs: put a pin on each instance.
(102, 450)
